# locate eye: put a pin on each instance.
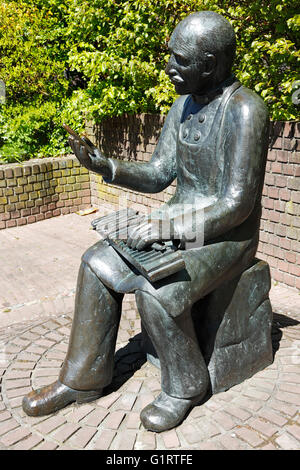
(181, 60)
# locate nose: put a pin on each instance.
(170, 69)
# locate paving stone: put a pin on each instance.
(79, 412)
(18, 392)
(224, 420)
(104, 440)
(294, 429)
(4, 415)
(46, 445)
(190, 433)
(287, 442)
(8, 425)
(126, 401)
(209, 446)
(170, 439)
(50, 424)
(96, 417)
(269, 446)
(107, 401)
(132, 421)
(237, 412)
(231, 443)
(46, 372)
(18, 374)
(288, 397)
(114, 420)
(19, 365)
(252, 405)
(285, 408)
(125, 441)
(14, 436)
(275, 418)
(146, 440)
(260, 413)
(134, 386)
(263, 427)
(249, 436)
(257, 394)
(65, 431)
(29, 443)
(82, 437)
(12, 384)
(16, 402)
(143, 400)
(287, 387)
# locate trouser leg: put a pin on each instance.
(183, 371)
(90, 358)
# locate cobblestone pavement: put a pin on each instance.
(39, 266)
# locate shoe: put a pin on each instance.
(53, 397)
(166, 412)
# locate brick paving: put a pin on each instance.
(39, 265)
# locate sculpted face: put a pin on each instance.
(190, 68)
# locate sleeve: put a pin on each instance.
(155, 175)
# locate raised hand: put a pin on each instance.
(93, 160)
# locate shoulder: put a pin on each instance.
(247, 106)
(179, 105)
(175, 113)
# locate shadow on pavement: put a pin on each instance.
(279, 322)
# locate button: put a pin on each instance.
(197, 136)
(185, 133)
(202, 118)
(189, 117)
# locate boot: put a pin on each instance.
(53, 397)
(166, 412)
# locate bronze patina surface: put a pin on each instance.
(209, 322)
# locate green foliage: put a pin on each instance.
(116, 52)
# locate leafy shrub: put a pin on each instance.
(72, 60)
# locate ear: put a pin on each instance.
(210, 64)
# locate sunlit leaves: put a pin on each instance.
(118, 50)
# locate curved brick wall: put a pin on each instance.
(280, 223)
(39, 189)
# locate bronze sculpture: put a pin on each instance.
(214, 141)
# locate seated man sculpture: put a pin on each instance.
(214, 141)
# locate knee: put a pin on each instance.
(88, 257)
(149, 306)
(143, 300)
(92, 256)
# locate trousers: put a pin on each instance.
(165, 310)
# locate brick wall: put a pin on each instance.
(280, 222)
(134, 138)
(131, 138)
(37, 190)
(40, 189)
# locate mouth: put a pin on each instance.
(176, 80)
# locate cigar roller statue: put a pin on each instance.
(204, 307)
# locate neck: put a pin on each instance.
(213, 90)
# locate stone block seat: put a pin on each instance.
(233, 326)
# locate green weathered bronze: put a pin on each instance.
(208, 323)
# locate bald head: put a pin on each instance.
(208, 33)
